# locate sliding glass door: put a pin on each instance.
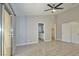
(0, 36)
(8, 22)
(0, 30)
(7, 30)
(6, 33)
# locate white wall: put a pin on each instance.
(67, 16)
(26, 28)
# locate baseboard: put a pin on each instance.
(26, 43)
(47, 40)
(59, 39)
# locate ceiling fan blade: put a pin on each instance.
(49, 5)
(58, 5)
(59, 8)
(47, 9)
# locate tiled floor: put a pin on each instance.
(48, 49)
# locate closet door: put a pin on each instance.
(75, 32)
(66, 32)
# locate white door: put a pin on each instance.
(66, 32)
(75, 32)
(70, 32)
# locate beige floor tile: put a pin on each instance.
(48, 49)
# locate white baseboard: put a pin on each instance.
(59, 39)
(47, 40)
(26, 43)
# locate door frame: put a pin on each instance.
(37, 30)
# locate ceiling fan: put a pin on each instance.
(54, 7)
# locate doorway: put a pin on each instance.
(41, 32)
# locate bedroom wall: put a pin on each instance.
(26, 28)
(67, 16)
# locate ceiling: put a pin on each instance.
(36, 9)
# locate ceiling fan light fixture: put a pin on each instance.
(54, 10)
(54, 7)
